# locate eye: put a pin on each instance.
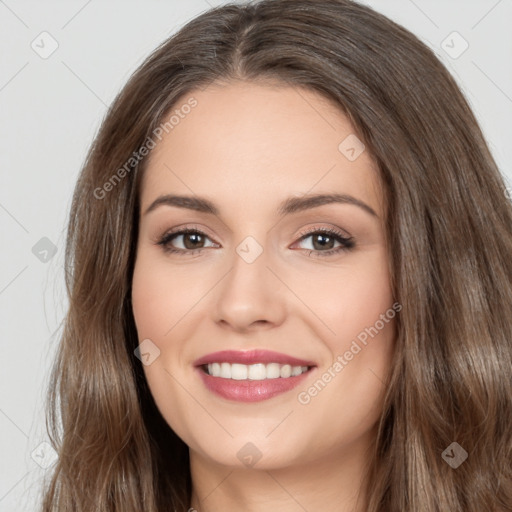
(325, 239)
(194, 240)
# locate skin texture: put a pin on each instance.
(247, 147)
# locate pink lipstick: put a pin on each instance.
(252, 375)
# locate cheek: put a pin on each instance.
(365, 305)
(149, 302)
(358, 311)
(352, 300)
(160, 298)
(159, 301)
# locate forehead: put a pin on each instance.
(244, 141)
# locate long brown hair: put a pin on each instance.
(449, 228)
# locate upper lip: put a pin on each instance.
(251, 357)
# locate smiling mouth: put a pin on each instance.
(252, 375)
(258, 371)
(256, 382)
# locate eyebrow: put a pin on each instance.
(287, 207)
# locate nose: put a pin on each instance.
(251, 296)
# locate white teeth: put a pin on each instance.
(273, 371)
(286, 371)
(257, 371)
(238, 371)
(214, 368)
(296, 370)
(225, 371)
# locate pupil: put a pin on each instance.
(320, 236)
(197, 236)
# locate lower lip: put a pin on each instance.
(250, 390)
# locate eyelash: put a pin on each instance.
(347, 243)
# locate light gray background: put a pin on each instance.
(50, 110)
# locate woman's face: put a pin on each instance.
(259, 276)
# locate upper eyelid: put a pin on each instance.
(336, 231)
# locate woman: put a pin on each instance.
(290, 279)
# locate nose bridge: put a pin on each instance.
(250, 250)
(248, 292)
(249, 266)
